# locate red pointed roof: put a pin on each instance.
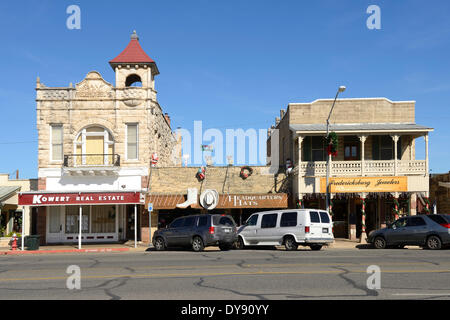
(133, 53)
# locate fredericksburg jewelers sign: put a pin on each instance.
(365, 184)
(78, 198)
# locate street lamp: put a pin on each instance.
(341, 89)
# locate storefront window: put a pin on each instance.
(103, 219)
(72, 219)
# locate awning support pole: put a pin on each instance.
(135, 226)
(80, 225)
(23, 226)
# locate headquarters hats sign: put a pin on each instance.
(365, 184)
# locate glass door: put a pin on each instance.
(54, 225)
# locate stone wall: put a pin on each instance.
(94, 102)
(176, 180)
(370, 110)
(439, 193)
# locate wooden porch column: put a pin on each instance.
(363, 140)
(426, 155)
(395, 138)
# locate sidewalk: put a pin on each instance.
(129, 247)
(73, 248)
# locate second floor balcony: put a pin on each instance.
(363, 150)
(91, 164)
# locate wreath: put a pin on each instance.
(245, 172)
(332, 144)
(200, 175)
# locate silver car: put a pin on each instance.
(428, 231)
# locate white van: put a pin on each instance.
(291, 228)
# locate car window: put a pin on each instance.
(415, 222)
(314, 216)
(202, 221)
(177, 223)
(400, 223)
(447, 217)
(252, 221)
(269, 220)
(223, 221)
(288, 219)
(189, 222)
(324, 217)
(437, 219)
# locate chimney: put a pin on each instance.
(277, 121)
(282, 112)
(166, 115)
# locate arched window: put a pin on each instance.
(94, 146)
(133, 80)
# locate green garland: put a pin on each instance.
(332, 144)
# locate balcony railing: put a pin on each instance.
(91, 160)
(371, 168)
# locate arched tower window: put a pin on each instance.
(94, 146)
(133, 80)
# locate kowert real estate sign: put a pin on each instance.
(78, 198)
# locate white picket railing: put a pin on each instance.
(371, 168)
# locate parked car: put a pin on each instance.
(428, 231)
(291, 228)
(197, 232)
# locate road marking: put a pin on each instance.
(260, 272)
(273, 265)
(421, 294)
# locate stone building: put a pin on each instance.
(375, 165)
(96, 141)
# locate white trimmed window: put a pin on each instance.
(132, 141)
(56, 136)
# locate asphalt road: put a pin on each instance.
(234, 275)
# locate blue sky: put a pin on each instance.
(231, 64)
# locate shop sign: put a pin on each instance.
(253, 201)
(365, 184)
(79, 198)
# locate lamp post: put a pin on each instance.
(341, 89)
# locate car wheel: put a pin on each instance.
(434, 243)
(240, 243)
(290, 244)
(225, 246)
(159, 244)
(197, 244)
(379, 243)
(316, 247)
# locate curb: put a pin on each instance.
(19, 252)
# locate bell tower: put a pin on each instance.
(133, 67)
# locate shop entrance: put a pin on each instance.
(340, 218)
(130, 223)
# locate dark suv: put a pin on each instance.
(197, 232)
(428, 231)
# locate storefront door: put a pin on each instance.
(130, 222)
(54, 225)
